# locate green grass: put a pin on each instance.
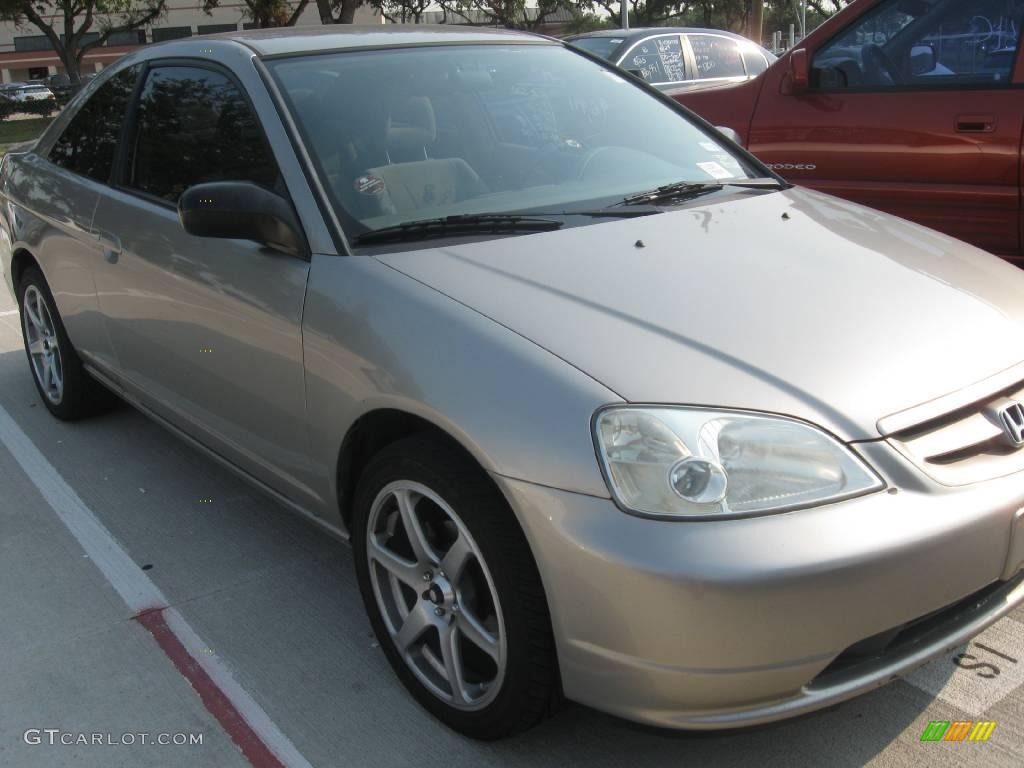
(13, 131)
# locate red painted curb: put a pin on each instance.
(213, 698)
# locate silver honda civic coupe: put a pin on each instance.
(608, 411)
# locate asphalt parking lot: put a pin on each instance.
(271, 602)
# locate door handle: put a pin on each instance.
(975, 123)
(111, 246)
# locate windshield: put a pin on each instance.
(401, 135)
(599, 46)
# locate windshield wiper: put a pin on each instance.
(682, 190)
(458, 225)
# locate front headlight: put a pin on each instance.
(691, 462)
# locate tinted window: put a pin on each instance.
(717, 56)
(658, 60)
(88, 144)
(599, 46)
(926, 44)
(194, 126)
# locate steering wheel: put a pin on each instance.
(878, 70)
(554, 162)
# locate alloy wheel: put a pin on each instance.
(43, 345)
(436, 595)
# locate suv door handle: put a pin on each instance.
(975, 123)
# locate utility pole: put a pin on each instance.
(624, 6)
(803, 21)
(756, 30)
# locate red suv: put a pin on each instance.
(915, 107)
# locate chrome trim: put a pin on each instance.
(940, 406)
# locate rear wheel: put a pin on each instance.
(66, 389)
(452, 590)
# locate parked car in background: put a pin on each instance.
(61, 84)
(606, 413)
(30, 92)
(914, 107)
(678, 57)
(7, 89)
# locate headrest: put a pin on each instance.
(411, 125)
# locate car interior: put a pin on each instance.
(925, 43)
(462, 129)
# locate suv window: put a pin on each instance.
(194, 126)
(924, 44)
(89, 142)
(658, 60)
(716, 56)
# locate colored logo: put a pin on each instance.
(958, 730)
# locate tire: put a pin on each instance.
(463, 518)
(67, 391)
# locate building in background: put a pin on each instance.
(26, 54)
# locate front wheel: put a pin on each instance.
(452, 590)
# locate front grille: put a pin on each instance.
(965, 445)
(876, 650)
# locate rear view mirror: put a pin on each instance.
(922, 60)
(241, 210)
(799, 70)
(730, 134)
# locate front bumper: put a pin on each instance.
(723, 624)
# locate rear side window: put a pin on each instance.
(195, 126)
(88, 144)
(755, 61)
(658, 60)
(716, 56)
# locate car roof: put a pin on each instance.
(634, 32)
(281, 41)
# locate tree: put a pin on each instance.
(756, 31)
(267, 13)
(402, 11)
(66, 23)
(340, 11)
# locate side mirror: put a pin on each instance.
(799, 70)
(730, 134)
(241, 210)
(922, 60)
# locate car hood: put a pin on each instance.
(790, 302)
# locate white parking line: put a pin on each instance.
(977, 676)
(136, 589)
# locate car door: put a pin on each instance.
(207, 331)
(658, 59)
(60, 182)
(912, 108)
